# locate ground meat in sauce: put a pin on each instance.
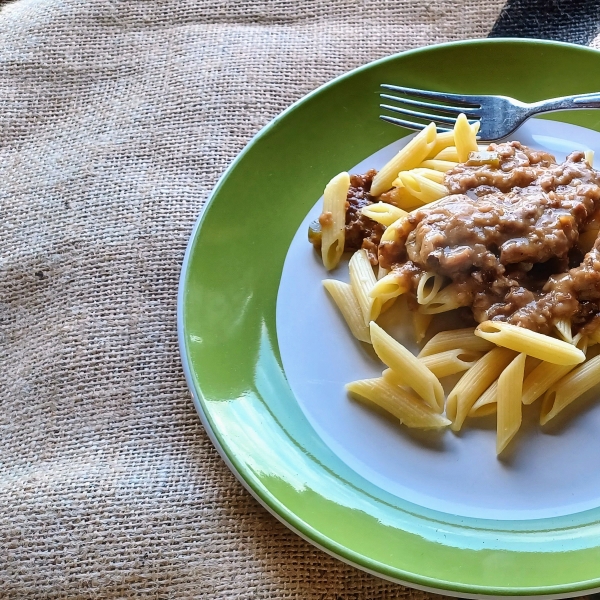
(361, 232)
(506, 236)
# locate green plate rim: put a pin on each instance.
(263, 496)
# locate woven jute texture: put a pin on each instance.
(117, 117)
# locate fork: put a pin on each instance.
(498, 116)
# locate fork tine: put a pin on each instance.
(453, 110)
(420, 115)
(458, 98)
(409, 124)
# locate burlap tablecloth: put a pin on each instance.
(117, 117)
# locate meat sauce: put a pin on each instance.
(507, 236)
(360, 232)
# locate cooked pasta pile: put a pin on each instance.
(523, 256)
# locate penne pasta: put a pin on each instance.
(381, 272)
(570, 387)
(450, 362)
(400, 197)
(446, 139)
(428, 287)
(432, 174)
(474, 382)
(589, 156)
(388, 304)
(443, 140)
(389, 235)
(421, 323)
(544, 376)
(333, 220)
(438, 165)
(448, 154)
(346, 301)
(420, 187)
(486, 403)
(362, 280)
(531, 343)
(583, 342)
(563, 328)
(510, 385)
(398, 401)
(465, 339)
(407, 367)
(445, 300)
(389, 286)
(413, 154)
(464, 138)
(383, 213)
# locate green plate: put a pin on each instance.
(228, 338)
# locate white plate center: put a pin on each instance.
(548, 473)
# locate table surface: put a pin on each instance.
(117, 119)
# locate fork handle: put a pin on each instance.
(567, 103)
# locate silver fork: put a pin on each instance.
(498, 116)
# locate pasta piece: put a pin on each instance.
(443, 140)
(464, 138)
(544, 376)
(381, 272)
(589, 156)
(388, 287)
(333, 220)
(531, 343)
(388, 304)
(587, 239)
(448, 154)
(563, 327)
(465, 339)
(510, 385)
(539, 379)
(383, 213)
(362, 280)
(400, 197)
(346, 301)
(570, 387)
(413, 154)
(406, 366)
(445, 300)
(428, 287)
(474, 382)
(446, 139)
(389, 235)
(432, 174)
(486, 403)
(583, 342)
(421, 324)
(420, 187)
(438, 165)
(400, 402)
(450, 362)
